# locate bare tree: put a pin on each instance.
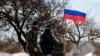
(21, 13)
(79, 31)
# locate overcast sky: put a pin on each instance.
(87, 5)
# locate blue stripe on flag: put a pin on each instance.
(74, 12)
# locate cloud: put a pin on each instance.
(97, 1)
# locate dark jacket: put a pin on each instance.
(31, 41)
(47, 42)
(32, 37)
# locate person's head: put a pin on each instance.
(35, 24)
(47, 29)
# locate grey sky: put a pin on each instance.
(89, 5)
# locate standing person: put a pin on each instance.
(47, 42)
(32, 47)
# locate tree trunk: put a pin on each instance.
(23, 43)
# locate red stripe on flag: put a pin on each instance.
(74, 18)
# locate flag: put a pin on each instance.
(74, 15)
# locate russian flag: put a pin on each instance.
(74, 15)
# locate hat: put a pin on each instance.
(35, 23)
(48, 27)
